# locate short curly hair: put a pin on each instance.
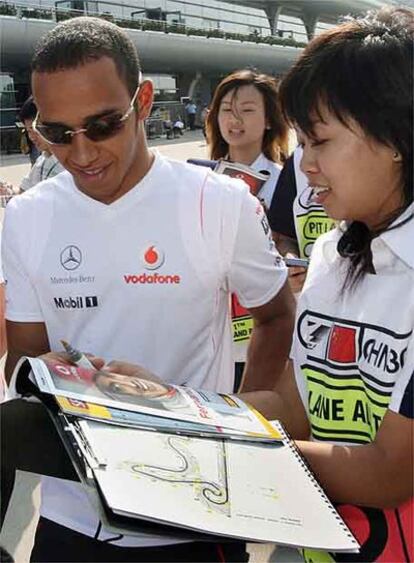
(77, 41)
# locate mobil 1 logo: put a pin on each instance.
(79, 302)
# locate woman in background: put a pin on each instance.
(245, 125)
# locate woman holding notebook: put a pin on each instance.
(348, 392)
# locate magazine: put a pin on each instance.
(132, 401)
(253, 179)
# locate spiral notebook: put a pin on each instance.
(255, 492)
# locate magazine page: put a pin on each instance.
(251, 491)
(121, 417)
(144, 396)
(21, 374)
(253, 179)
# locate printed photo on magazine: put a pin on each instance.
(128, 393)
(253, 179)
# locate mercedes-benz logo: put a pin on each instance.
(71, 257)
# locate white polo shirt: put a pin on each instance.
(353, 349)
(146, 279)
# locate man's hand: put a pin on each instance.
(115, 366)
(131, 370)
(24, 339)
(64, 358)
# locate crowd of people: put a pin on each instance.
(331, 351)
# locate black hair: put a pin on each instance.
(276, 137)
(28, 110)
(361, 70)
(78, 41)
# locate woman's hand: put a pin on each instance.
(297, 275)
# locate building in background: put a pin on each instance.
(186, 46)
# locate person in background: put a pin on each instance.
(245, 125)
(295, 219)
(178, 127)
(203, 117)
(347, 395)
(28, 139)
(46, 164)
(191, 111)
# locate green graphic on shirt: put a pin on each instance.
(343, 408)
(309, 227)
(312, 556)
(242, 329)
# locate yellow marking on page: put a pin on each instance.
(269, 427)
(80, 407)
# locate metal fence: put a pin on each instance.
(163, 115)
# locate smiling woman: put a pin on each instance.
(356, 130)
(347, 395)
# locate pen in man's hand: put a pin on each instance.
(76, 357)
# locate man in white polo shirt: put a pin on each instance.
(131, 256)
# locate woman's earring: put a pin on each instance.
(396, 157)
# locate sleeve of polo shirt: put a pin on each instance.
(402, 398)
(280, 213)
(22, 304)
(257, 271)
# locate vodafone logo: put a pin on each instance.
(153, 257)
(155, 279)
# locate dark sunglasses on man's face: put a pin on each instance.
(98, 129)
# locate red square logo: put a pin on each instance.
(342, 345)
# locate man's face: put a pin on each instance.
(104, 170)
(128, 385)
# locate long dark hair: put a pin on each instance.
(275, 139)
(361, 70)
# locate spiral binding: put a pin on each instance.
(308, 470)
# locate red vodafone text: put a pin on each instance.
(154, 278)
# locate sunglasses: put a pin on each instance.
(98, 129)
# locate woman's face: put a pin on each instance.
(357, 178)
(129, 385)
(242, 118)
